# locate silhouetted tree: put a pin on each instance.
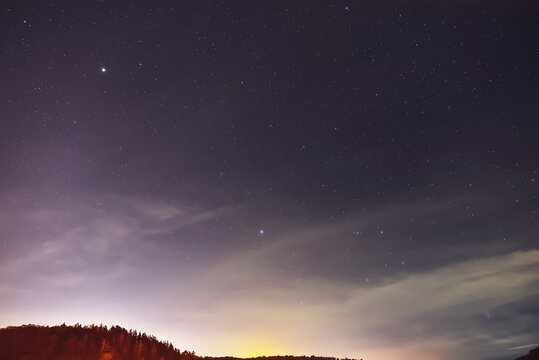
(91, 342)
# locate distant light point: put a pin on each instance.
(261, 231)
(103, 70)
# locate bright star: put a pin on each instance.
(261, 231)
(103, 69)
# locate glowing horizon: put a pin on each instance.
(239, 304)
(344, 179)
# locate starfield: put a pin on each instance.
(345, 179)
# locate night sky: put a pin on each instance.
(249, 178)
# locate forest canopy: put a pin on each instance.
(77, 342)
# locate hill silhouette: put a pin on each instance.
(34, 342)
(532, 355)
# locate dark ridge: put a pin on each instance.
(33, 342)
(276, 357)
(532, 355)
(92, 342)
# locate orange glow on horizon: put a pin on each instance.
(250, 348)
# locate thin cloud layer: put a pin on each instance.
(93, 259)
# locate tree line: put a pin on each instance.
(92, 342)
(98, 342)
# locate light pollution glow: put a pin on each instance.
(347, 179)
(89, 259)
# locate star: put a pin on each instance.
(103, 70)
(261, 231)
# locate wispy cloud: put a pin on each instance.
(317, 313)
(108, 258)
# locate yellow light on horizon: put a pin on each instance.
(249, 348)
